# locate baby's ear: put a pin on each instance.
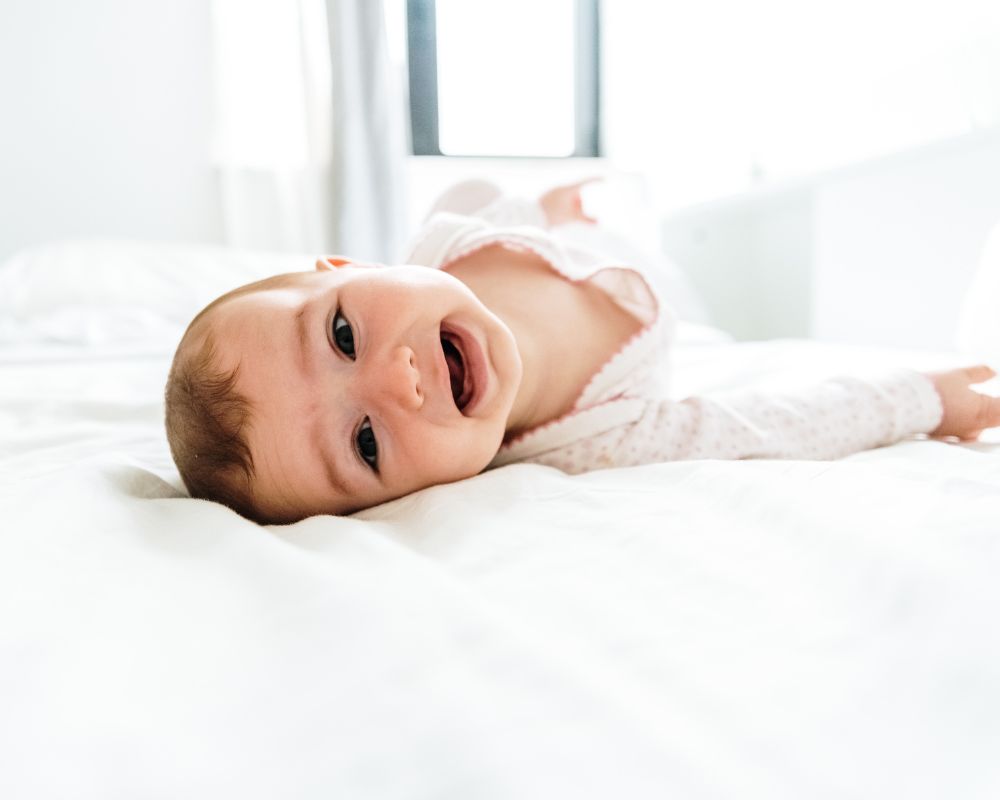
(330, 263)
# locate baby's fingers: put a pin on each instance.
(979, 373)
(986, 415)
(987, 412)
(992, 412)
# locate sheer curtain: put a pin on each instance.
(309, 129)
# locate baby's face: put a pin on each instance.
(348, 379)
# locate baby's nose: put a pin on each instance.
(401, 380)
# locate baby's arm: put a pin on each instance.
(829, 420)
(478, 198)
(484, 200)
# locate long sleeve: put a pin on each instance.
(484, 200)
(830, 420)
(505, 212)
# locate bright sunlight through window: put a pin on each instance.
(506, 77)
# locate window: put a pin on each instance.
(518, 78)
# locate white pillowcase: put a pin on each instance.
(113, 292)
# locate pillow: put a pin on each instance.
(114, 292)
(978, 333)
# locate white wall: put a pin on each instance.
(749, 257)
(106, 114)
(878, 253)
(896, 244)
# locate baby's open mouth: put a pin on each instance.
(461, 380)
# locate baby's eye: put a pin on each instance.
(367, 448)
(343, 336)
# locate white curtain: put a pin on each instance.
(309, 127)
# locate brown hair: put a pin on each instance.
(207, 419)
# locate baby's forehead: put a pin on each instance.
(285, 282)
(225, 317)
(286, 289)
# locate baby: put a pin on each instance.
(330, 391)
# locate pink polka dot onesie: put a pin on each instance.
(624, 416)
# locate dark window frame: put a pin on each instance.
(422, 58)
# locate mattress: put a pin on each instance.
(702, 629)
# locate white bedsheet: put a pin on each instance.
(690, 630)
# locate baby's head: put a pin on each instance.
(335, 390)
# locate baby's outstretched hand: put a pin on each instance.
(967, 413)
(563, 204)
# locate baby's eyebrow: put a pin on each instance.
(302, 331)
(333, 476)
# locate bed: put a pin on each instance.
(694, 630)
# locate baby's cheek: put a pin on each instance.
(457, 454)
